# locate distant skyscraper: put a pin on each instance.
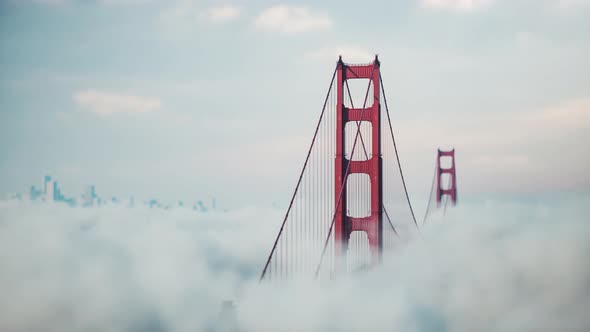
(46, 181)
(49, 189)
(35, 193)
(201, 207)
(153, 203)
(89, 196)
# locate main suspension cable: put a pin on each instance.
(431, 194)
(397, 154)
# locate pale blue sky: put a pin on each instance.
(185, 99)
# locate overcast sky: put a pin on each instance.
(190, 99)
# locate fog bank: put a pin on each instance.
(487, 265)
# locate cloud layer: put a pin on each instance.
(487, 266)
(292, 19)
(108, 103)
(222, 14)
(455, 5)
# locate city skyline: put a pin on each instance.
(51, 191)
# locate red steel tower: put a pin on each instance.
(451, 188)
(373, 165)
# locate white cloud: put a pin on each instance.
(107, 103)
(102, 2)
(456, 5)
(123, 2)
(222, 14)
(539, 149)
(49, 2)
(568, 115)
(570, 4)
(122, 257)
(181, 18)
(292, 19)
(504, 265)
(179, 11)
(350, 54)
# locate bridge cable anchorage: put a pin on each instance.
(345, 177)
(397, 154)
(431, 194)
(358, 123)
(299, 180)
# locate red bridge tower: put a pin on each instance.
(371, 224)
(451, 188)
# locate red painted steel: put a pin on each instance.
(451, 191)
(372, 225)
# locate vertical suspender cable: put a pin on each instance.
(299, 180)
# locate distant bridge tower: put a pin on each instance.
(450, 189)
(371, 221)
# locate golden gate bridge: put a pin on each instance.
(350, 204)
